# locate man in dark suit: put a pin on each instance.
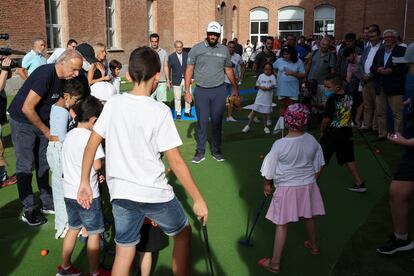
(177, 62)
(389, 83)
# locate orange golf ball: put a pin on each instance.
(168, 170)
(44, 252)
(261, 157)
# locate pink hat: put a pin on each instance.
(296, 116)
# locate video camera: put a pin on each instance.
(16, 62)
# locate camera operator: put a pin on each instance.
(5, 73)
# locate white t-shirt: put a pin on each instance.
(293, 161)
(72, 155)
(137, 129)
(236, 62)
(265, 97)
(370, 58)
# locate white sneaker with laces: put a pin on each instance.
(266, 130)
(246, 129)
(231, 119)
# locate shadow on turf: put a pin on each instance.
(15, 237)
(198, 247)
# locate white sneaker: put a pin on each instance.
(276, 131)
(246, 129)
(256, 120)
(266, 130)
(269, 122)
(230, 119)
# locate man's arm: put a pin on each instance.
(230, 75)
(22, 72)
(5, 65)
(29, 111)
(183, 174)
(189, 70)
(167, 73)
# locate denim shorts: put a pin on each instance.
(129, 217)
(91, 219)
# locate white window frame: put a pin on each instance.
(110, 28)
(294, 19)
(259, 20)
(52, 25)
(324, 20)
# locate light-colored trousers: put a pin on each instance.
(396, 104)
(178, 91)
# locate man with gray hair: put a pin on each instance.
(322, 63)
(29, 122)
(389, 83)
(33, 59)
(177, 62)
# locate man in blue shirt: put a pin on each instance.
(33, 59)
(29, 122)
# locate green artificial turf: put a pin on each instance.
(353, 226)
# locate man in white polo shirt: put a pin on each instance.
(164, 83)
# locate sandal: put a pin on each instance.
(314, 250)
(266, 263)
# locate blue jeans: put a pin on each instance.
(91, 219)
(54, 152)
(129, 217)
(30, 147)
(210, 104)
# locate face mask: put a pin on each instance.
(328, 93)
(86, 65)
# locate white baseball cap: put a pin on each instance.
(214, 27)
(103, 90)
(408, 57)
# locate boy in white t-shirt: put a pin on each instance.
(137, 129)
(87, 111)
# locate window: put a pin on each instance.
(324, 20)
(110, 23)
(290, 21)
(52, 10)
(150, 18)
(259, 25)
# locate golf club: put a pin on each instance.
(205, 235)
(246, 241)
(387, 174)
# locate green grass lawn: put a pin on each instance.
(353, 226)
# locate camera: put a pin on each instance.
(16, 62)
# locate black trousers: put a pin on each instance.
(210, 104)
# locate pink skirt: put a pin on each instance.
(291, 203)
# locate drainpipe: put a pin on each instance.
(405, 18)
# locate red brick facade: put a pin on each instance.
(186, 20)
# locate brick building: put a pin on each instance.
(125, 24)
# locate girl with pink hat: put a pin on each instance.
(292, 167)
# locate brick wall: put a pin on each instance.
(23, 21)
(185, 20)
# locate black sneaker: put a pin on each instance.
(218, 156)
(33, 219)
(394, 245)
(198, 158)
(189, 115)
(358, 188)
(179, 117)
(47, 210)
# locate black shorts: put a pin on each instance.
(340, 142)
(357, 98)
(405, 169)
(152, 239)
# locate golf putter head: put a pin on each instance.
(246, 243)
